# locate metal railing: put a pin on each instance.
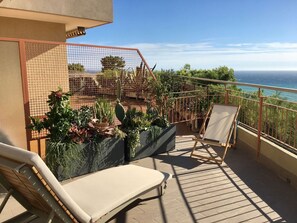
(88, 71)
(43, 67)
(267, 116)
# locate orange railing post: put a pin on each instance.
(147, 66)
(226, 96)
(22, 53)
(260, 125)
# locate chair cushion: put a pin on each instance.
(101, 192)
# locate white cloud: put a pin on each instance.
(204, 55)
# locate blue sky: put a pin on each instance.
(242, 34)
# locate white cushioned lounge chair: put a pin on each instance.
(221, 124)
(94, 197)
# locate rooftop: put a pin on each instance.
(240, 190)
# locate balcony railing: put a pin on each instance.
(44, 67)
(268, 116)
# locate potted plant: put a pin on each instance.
(147, 133)
(81, 140)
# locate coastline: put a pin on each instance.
(285, 79)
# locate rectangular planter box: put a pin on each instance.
(164, 142)
(90, 157)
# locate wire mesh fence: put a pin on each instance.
(88, 72)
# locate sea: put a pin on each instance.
(284, 79)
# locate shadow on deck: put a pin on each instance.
(240, 190)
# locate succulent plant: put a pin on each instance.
(120, 111)
(103, 111)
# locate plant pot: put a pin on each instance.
(80, 159)
(161, 143)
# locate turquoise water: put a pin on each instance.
(285, 79)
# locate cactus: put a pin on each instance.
(120, 111)
(104, 111)
(119, 88)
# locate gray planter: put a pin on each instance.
(80, 159)
(163, 142)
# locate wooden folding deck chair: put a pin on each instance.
(221, 123)
(94, 197)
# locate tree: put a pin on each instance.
(169, 79)
(221, 73)
(185, 71)
(76, 67)
(225, 74)
(112, 63)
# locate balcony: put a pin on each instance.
(256, 182)
(240, 190)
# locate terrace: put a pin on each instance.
(240, 190)
(255, 183)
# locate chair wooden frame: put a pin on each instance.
(23, 182)
(226, 144)
(25, 177)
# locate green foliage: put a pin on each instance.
(59, 119)
(120, 111)
(36, 124)
(167, 81)
(119, 133)
(187, 67)
(220, 73)
(76, 67)
(278, 117)
(119, 89)
(171, 84)
(225, 73)
(83, 115)
(138, 79)
(112, 63)
(135, 122)
(104, 112)
(67, 125)
(153, 134)
(133, 140)
(185, 71)
(175, 81)
(160, 122)
(157, 110)
(61, 156)
(161, 101)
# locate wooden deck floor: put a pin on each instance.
(240, 190)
